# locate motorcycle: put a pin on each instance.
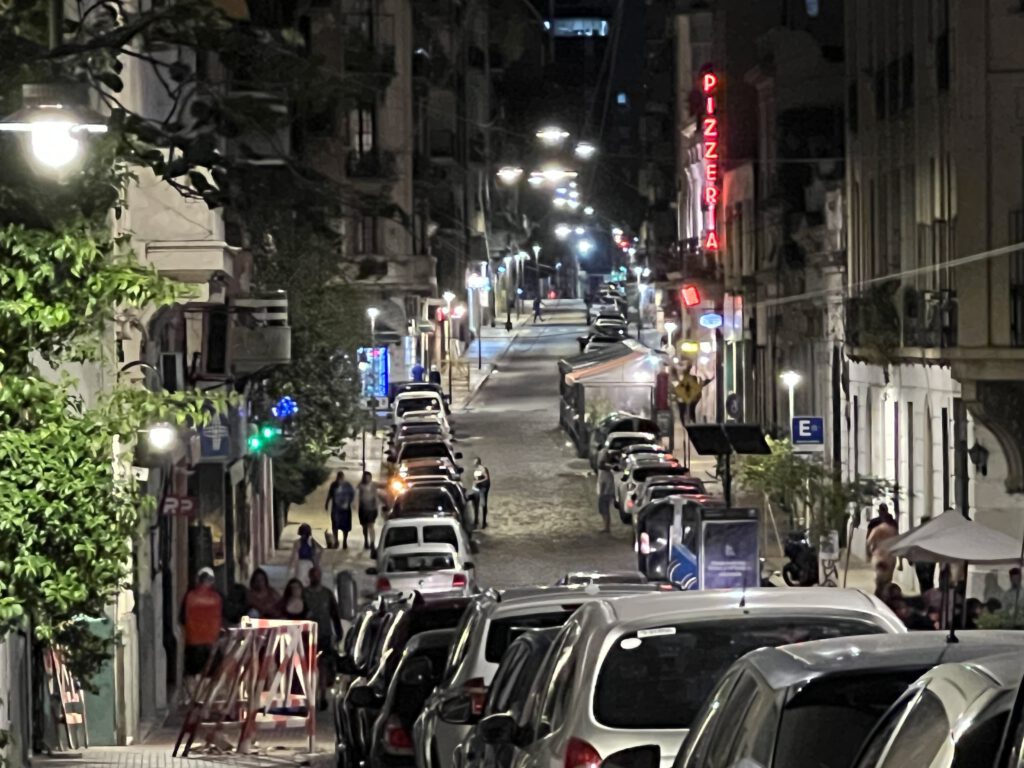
(802, 568)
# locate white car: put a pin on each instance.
(489, 625)
(600, 342)
(419, 406)
(617, 442)
(633, 672)
(423, 532)
(434, 570)
(637, 468)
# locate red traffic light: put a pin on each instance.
(691, 296)
(441, 314)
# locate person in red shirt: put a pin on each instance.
(202, 616)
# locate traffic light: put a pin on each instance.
(262, 437)
(691, 296)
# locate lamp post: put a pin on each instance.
(448, 297)
(670, 328)
(371, 402)
(638, 271)
(536, 258)
(477, 283)
(790, 379)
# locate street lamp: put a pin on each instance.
(54, 118)
(585, 150)
(510, 174)
(589, 210)
(562, 231)
(580, 231)
(790, 379)
(552, 135)
(477, 283)
(670, 329)
(536, 257)
(584, 247)
(449, 297)
(161, 437)
(373, 313)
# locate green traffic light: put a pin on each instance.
(255, 443)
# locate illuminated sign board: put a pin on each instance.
(710, 125)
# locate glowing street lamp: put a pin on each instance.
(580, 231)
(562, 231)
(585, 150)
(554, 174)
(510, 174)
(560, 202)
(584, 247)
(790, 380)
(54, 118)
(552, 135)
(589, 210)
(670, 329)
(373, 313)
(161, 437)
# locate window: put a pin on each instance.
(361, 129)
(417, 404)
(552, 711)
(660, 681)
(419, 563)
(503, 631)
(622, 99)
(733, 710)
(920, 735)
(423, 451)
(460, 647)
(399, 536)
(978, 746)
(945, 459)
(704, 730)
(505, 679)
(366, 235)
(440, 534)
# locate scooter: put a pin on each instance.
(802, 568)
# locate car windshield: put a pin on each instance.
(424, 450)
(419, 562)
(410, 404)
(503, 631)
(429, 501)
(659, 677)
(828, 719)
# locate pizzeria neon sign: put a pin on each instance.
(712, 158)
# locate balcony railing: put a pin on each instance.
(929, 318)
(375, 164)
(369, 43)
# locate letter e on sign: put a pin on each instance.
(805, 428)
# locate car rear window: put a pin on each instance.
(503, 631)
(440, 534)
(417, 404)
(424, 451)
(419, 562)
(642, 473)
(827, 720)
(397, 536)
(659, 677)
(432, 501)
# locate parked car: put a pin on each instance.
(408, 473)
(812, 705)
(629, 673)
(597, 343)
(397, 388)
(953, 716)
(418, 410)
(412, 428)
(616, 444)
(616, 422)
(421, 400)
(491, 622)
(395, 624)
(602, 577)
(424, 447)
(437, 571)
(414, 677)
(425, 532)
(426, 500)
(638, 468)
(660, 487)
(507, 694)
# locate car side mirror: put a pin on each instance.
(418, 671)
(371, 571)
(498, 729)
(458, 454)
(647, 756)
(363, 696)
(456, 710)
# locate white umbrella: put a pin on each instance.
(951, 537)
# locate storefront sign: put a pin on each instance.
(180, 506)
(729, 556)
(710, 130)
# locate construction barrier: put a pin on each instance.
(65, 699)
(260, 676)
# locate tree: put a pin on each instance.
(806, 488)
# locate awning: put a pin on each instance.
(640, 366)
(611, 352)
(952, 538)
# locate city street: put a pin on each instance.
(543, 519)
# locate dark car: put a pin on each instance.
(617, 422)
(811, 705)
(426, 500)
(357, 708)
(424, 447)
(506, 694)
(415, 676)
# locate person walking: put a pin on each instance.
(202, 616)
(482, 485)
(537, 306)
(340, 495)
(881, 529)
(305, 554)
(322, 607)
(369, 495)
(605, 494)
(262, 599)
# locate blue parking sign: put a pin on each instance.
(808, 433)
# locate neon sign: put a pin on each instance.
(712, 170)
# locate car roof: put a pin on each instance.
(423, 519)
(519, 598)
(421, 439)
(682, 481)
(663, 607)
(411, 394)
(425, 461)
(790, 665)
(434, 548)
(432, 638)
(584, 576)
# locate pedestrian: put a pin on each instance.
(434, 376)
(537, 306)
(293, 602)
(305, 553)
(322, 607)
(369, 504)
(262, 599)
(881, 529)
(340, 495)
(605, 494)
(482, 485)
(417, 371)
(1012, 597)
(202, 616)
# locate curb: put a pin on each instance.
(491, 366)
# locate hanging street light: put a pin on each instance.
(552, 135)
(562, 231)
(510, 174)
(54, 118)
(585, 150)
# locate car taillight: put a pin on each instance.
(579, 754)
(397, 740)
(383, 585)
(477, 693)
(459, 580)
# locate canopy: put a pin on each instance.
(639, 366)
(951, 537)
(587, 359)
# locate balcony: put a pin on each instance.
(369, 43)
(442, 146)
(374, 164)
(873, 324)
(261, 337)
(191, 262)
(929, 319)
(415, 273)
(268, 142)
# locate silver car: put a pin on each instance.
(628, 673)
(491, 622)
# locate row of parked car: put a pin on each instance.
(426, 544)
(646, 676)
(606, 320)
